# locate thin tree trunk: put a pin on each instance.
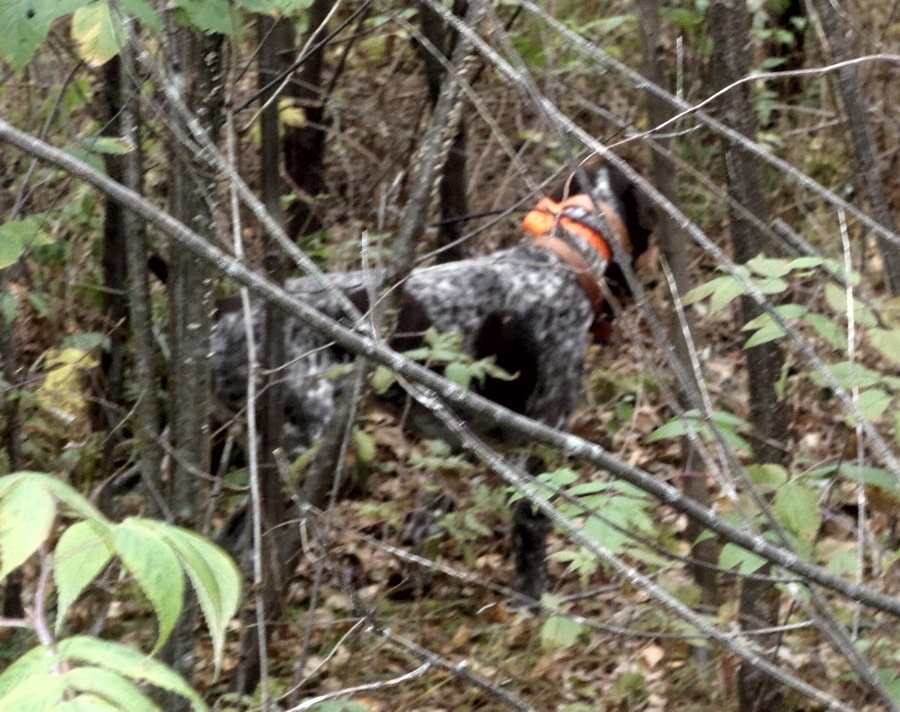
(198, 61)
(729, 25)
(855, 105)
(672, 243)
(115, 305)
(304, 146)
(453, 198)
(147, 408)
(277, 39)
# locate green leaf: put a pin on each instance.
(382, 379)
(767, 475)
(27, 511)
(125, 661)
(87, 703)
(459, 373)
(364, 445)
(769, 266)
(735, 557)
(98, 32)
(802, 263)
(29, 682)
(218, 16)
(80, 555)
(144, 12)
(836, 296)
(873, 403)
(154, 564)
(16, 236)
(797, 506)
(26, 24)
(108, 145)
(828, 329)
(887, 341)
(214, 576)
(559, 632)
(124, 695)
(769, 331)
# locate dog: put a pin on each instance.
(532, 308)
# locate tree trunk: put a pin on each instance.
(304, 146)
(197, 60)
(729, 25)
(115, 305)
(454, 201)
(672, 243)
(866, 151)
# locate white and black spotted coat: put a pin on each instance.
(523, 305)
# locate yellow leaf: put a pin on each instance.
(290, 114)
(63, 390)
(99, 34)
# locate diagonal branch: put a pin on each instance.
(453, 394)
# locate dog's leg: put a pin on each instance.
(529, 540)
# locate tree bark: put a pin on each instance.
(304, 146)
(197, 65)
(866, 152)
(729, 25)
(453, 198)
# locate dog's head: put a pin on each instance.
(609, 186)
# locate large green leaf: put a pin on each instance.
(26, 676)
(115, 688)
(27, 511)
(86, 703)
(735, 557)
(219, 16)
(157, 569)
(127, 662)
(34, 683)
(559, 632)
(797, 507)
(25, 26)
(98, 32)
(80, 555)
(16, 236)
(214, 576)
(887, 341)
(62, 491)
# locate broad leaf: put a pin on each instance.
(214, 576)
(797, 506)
(16, 236)
(122, 693)
(559, 632)
(887, 341)
(218, 16)
(735, 557)
(126, 662)
(27, 511)
(80, 555)
(26, 24)
(98, 32)
(157, 569)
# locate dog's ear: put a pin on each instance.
(640, 214)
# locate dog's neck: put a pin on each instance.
(572, 231)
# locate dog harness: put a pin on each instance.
(577, 217)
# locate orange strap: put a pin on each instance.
(601, 328)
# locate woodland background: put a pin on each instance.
(756, 370)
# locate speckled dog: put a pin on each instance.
(533, 308)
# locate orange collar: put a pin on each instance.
(542, 221)
(547, 214)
